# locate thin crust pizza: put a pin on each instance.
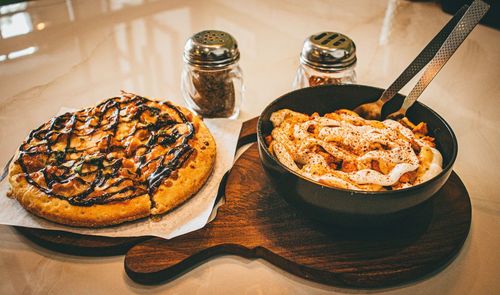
(127, 158)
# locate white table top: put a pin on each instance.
(74, 53)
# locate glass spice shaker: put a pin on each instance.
(212, 82)
(326, 58)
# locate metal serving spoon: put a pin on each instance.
(435, 54)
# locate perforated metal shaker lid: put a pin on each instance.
(329, 51)
(211, 49)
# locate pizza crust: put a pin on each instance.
(173, 192)
(192, 176)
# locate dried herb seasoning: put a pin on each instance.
(212, 83)
(215, 93)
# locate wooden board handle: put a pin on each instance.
(161, 260)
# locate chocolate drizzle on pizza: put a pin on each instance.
(123, 148)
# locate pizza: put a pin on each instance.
(126, 158)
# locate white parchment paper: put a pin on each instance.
(190, 216)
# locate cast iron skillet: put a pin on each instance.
(341, 206)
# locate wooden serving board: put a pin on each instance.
(257, 223)
(88, 245)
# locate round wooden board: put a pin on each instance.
(257, 223)
(88, 245)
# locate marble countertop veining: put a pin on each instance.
(73, 53)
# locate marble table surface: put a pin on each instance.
(72, 53)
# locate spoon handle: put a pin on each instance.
(423, 58)
(471, 18)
